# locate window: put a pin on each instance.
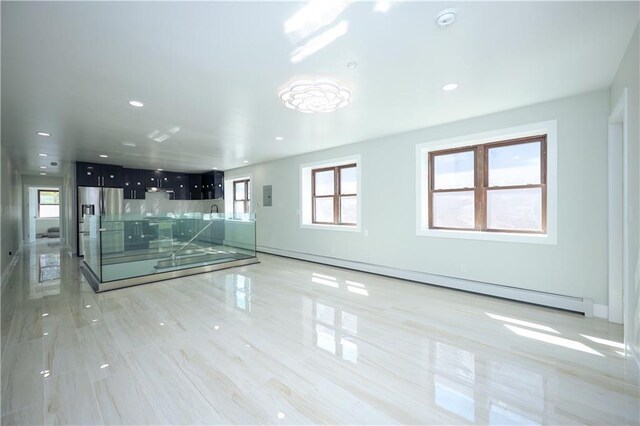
(490, 187)
(334, 195)
(241, 196)
(48, 203)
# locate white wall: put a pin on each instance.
(576, 266)
(11, 204)
(628, 76)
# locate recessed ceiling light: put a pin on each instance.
(44, 134)
(42, 154)
(43, 167)
(245, 161)
(129, 144)
(310, 96)
(446, 17)
(279, 138)
(449, 87)
(159, 170)
(42, 174)
(352, 65)
(104, 156)
(136, 104)
(214, 168)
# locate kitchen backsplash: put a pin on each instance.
(159, 204)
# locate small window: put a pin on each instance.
(48, 203)
(493, 187)
(335, 195)
(241, 196)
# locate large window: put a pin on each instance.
(48, 203)
(335, 195)
(490, 187)
(241, 196)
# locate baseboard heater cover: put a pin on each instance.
(568, 303)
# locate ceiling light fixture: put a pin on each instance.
(41, 154)
(352, 65)
(42, 174)
(104, 156)
(446, 17)
(43, 167)
(245, 161)
(129, 144)
(44, 134)
(136, 104)
(319, 42)
(315, 96)
(382, 6)
(279, 138)
(159, 170)
(449, 87)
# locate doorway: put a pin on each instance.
(43, 213)
(618, 212)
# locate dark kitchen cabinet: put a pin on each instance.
(181, 186)
(136, 235)
(195, 187)
(213, 183)
(133, 184)
(94, 174)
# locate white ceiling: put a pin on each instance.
(214, 70)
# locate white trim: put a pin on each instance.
(305, 193)
(618, 241)
(529, 296)
(600, 311)
(550, 128)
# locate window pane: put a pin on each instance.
(454, 210)
(454, 170)
(348, 181)
(49, 197)
(49, 211)
(515, 209)
(349, 209)
(239, 189)
(324, 209)
(238, 207)
(514, 164)
(324, 183)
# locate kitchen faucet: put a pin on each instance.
(212, 206)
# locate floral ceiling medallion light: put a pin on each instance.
(311, 96)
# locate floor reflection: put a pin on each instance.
(335, 331)
(239, 291)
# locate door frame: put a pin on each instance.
(27, 208)
(618, 213)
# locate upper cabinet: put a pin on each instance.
(213, 185)
(93, 174)
(185, 186)
(133, 184)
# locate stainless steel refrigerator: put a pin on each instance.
(107, 203)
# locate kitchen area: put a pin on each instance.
(137, 226)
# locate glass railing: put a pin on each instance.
(128, 246)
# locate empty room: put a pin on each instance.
(320, 212)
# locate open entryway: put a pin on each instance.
(618, 212)
(42, 213)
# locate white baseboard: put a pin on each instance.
(7, 271)
(568, 303)
(600, 311)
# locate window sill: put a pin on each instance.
(344, 228)
(489, 236)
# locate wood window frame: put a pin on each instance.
(247, 197)
(336, 196)
(481, 183)
(48, 204)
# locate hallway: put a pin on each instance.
(293, 342)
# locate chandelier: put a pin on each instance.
(311, 96)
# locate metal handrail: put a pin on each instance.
(173, 255)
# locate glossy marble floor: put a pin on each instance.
(291, 342)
